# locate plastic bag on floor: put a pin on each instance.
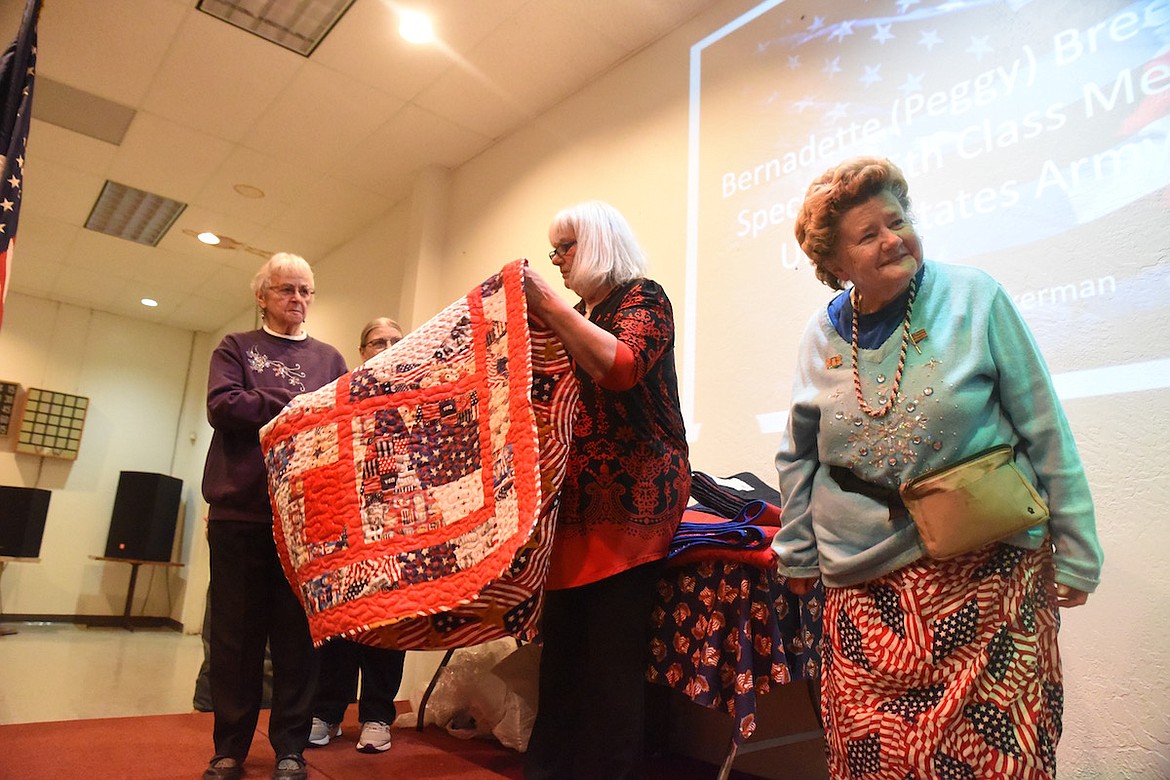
(518, 673)
(455, 687)
(484, 691)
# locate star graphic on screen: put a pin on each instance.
(871, 76)
(839, 111)
(793, 61)
(979, 47)
(913, 83)
(803, 103)
(832, 67)
(882, 33)
(929, 39)
(905, 5)
(817, 23)
(841, 30)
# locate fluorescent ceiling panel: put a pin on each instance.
(132, 214)
(298, 25)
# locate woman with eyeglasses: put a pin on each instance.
(378, 334)
(343, 660)
(253, 375)
(624, 491)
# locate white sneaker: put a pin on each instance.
(321, 732)
(375, 737)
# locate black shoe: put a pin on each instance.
(290, 767)
(223, 768)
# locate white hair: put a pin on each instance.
(607, 251)
(281, 263)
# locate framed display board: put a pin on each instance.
(51, 424)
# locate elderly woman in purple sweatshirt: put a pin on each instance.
(253, 375)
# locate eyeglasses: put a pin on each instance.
(561, 249)
(288, 291)
(380, 343)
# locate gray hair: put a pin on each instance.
(607, 251)
(281, 263)
(378, 322)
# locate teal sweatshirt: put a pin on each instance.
(980, 381)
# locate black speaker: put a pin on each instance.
(22, 520)
(145, 510)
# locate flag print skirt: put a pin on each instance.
(945, 669)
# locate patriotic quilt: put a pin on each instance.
(415, 496)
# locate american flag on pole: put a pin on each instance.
(16, 91)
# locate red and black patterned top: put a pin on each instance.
(628, 476)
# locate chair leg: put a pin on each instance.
(422, 705)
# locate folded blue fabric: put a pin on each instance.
(738, 533)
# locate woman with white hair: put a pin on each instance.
(624, 491)
(253, 375)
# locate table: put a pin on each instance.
(127, 621)
(725, 632)
(4, 561)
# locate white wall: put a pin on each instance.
(134, 374)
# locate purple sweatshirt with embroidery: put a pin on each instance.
(252, 376)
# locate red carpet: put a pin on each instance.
(178, 746)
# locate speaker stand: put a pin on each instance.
(4, 561)
(128, 621)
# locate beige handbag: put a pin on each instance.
(975, 502)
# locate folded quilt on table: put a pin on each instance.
(745, 539)
(414, 497)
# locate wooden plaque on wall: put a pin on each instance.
(51, 424)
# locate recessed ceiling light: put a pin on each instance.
(208, 238)
(415, 27)
(149, 302)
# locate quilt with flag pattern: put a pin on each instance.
(414, 497)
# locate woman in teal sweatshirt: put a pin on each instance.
(933, 668)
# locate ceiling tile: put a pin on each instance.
(200, 313)
(70, 149)
(108, 47)
(91, 287)
(377, 164)
(208, 79)
(34, 275)
(58, 191)
(327, 217)
(115, 257)
(44, 238)
(365, 46)
(166, 158)
(634, 23)
(230, 285)
(319, 118)
(283, 182)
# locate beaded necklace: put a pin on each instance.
(855, 299)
